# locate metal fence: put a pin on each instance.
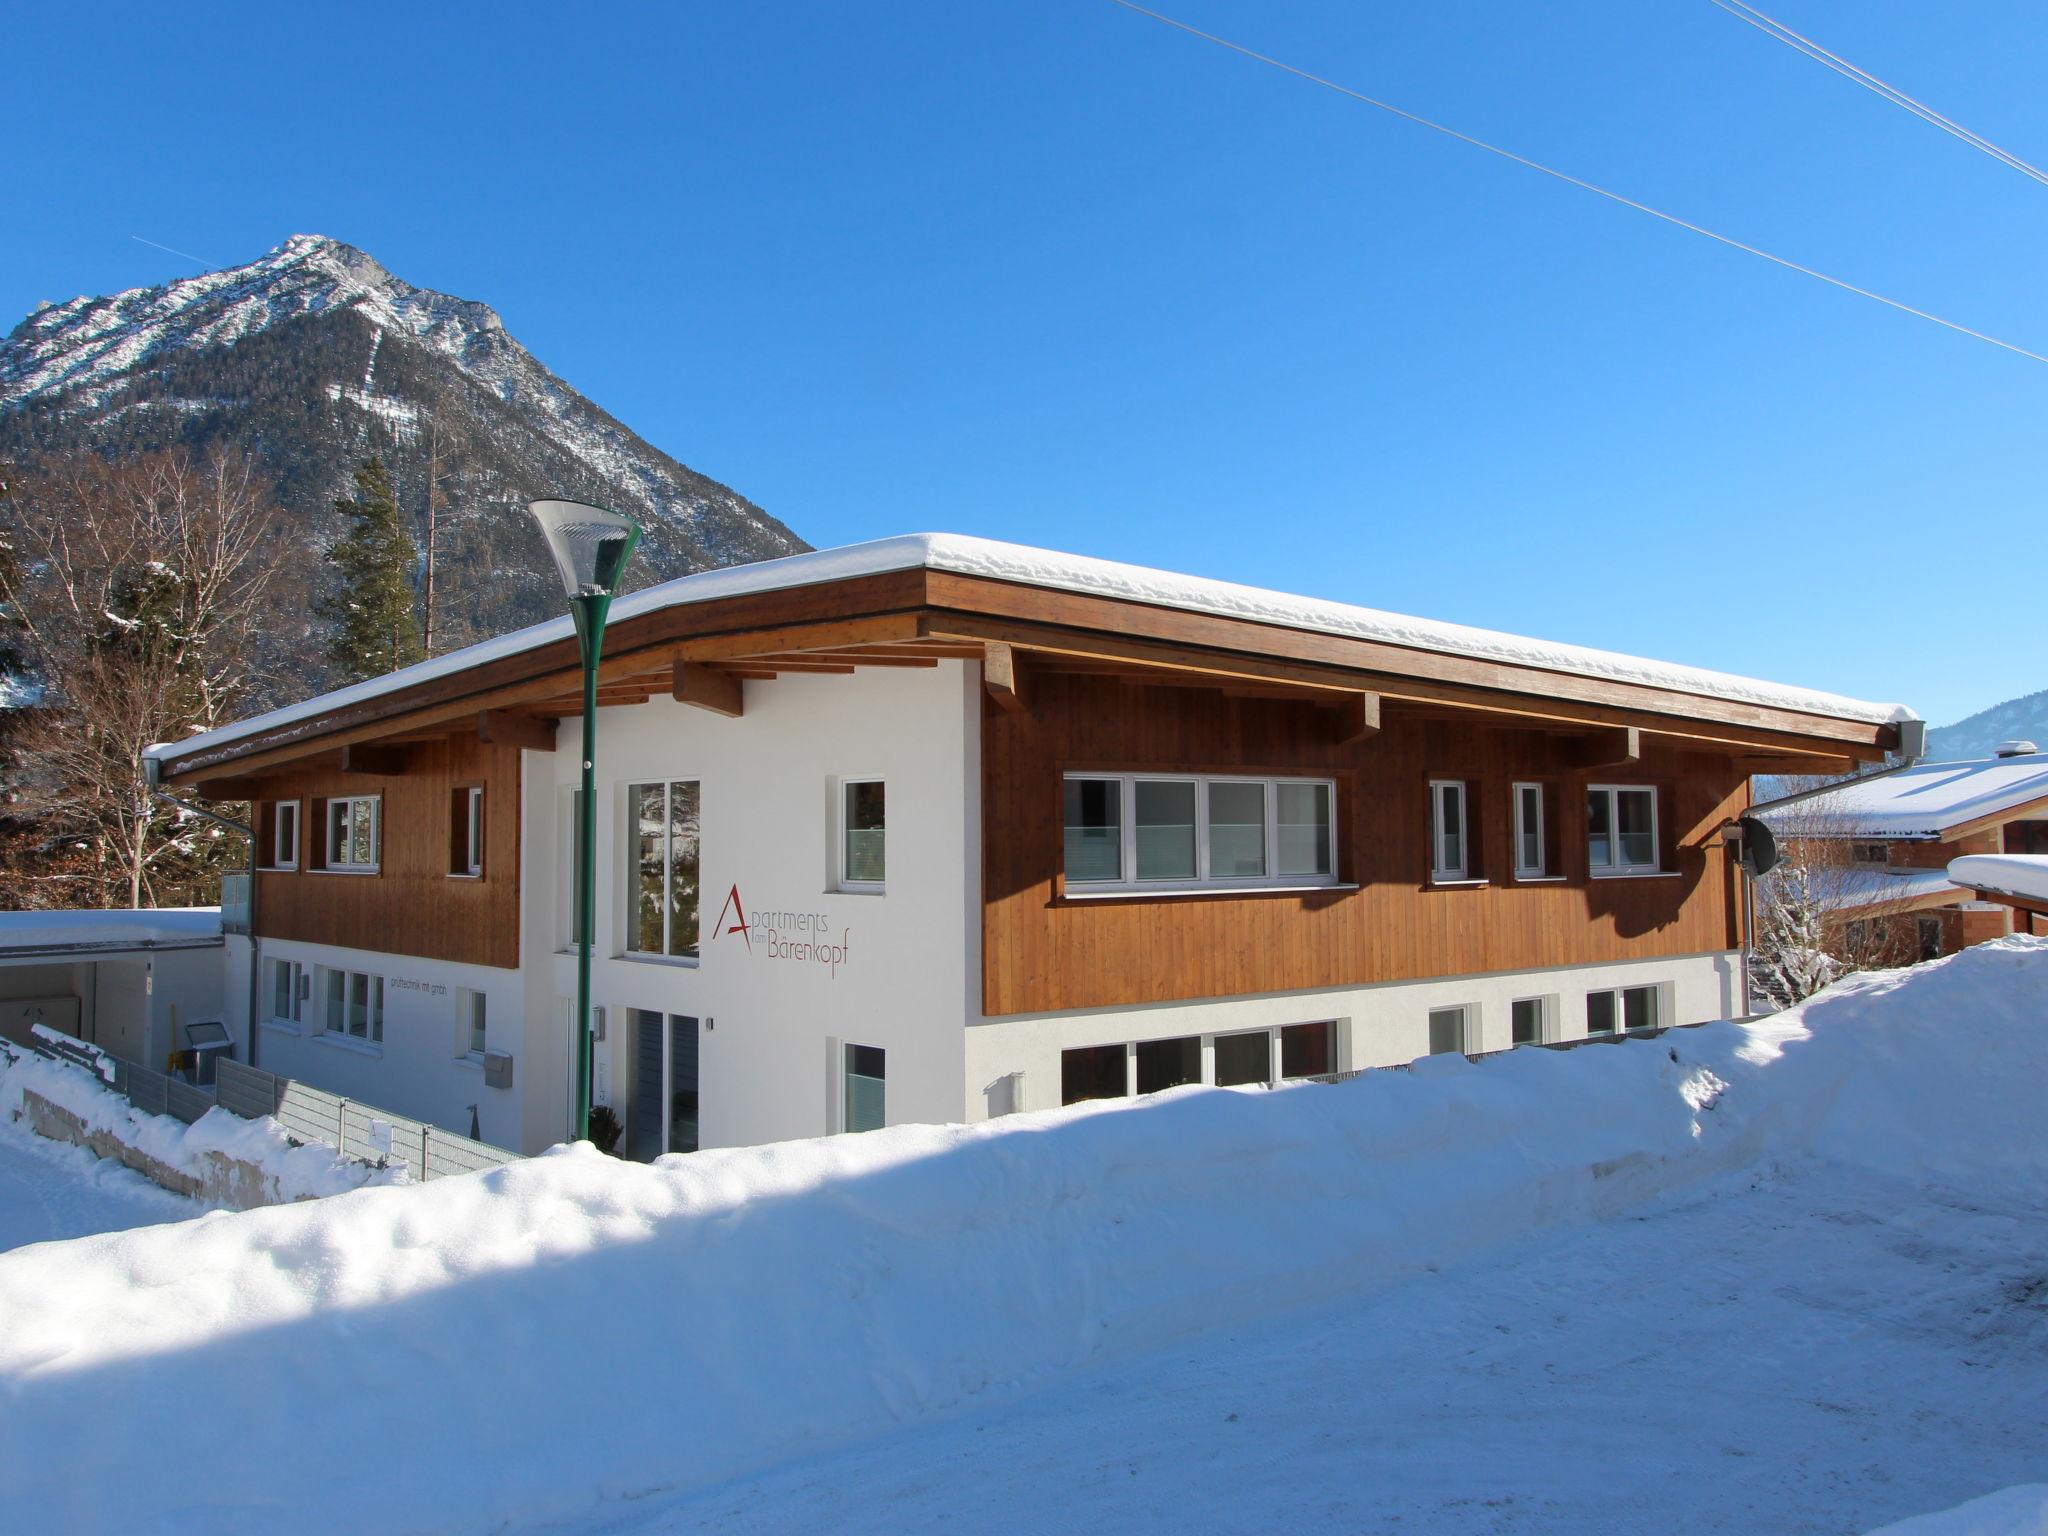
(353, 1128)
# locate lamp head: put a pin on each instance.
(590, 545)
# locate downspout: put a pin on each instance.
(152, 775)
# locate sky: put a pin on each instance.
(1049, 271)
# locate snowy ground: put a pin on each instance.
(1824, 1352)
(50, 1191)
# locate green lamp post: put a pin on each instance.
(591, 547)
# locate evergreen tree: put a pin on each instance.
(376, 627)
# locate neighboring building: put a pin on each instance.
(1892, 836)
(933, 829)
(127, 981)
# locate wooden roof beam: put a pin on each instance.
(1618, 747)
(498, 728)
(388, 762)
(999, 678)
(722, 693)
(1356, 718)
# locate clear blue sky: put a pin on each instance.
(1047, 271)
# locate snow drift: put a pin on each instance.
(516, 1345)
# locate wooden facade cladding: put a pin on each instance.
(1046, 951)
(413, 904)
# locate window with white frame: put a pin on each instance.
(472, 1036)
(1449, 1031)
(663, 869)
(352, 833)
(1530, 862)
(1621, 829)
(863, 834)
(352, 1004)
(284, 835)
(287, 991)
(469, 839)
(1450, 851)
(1185, 832)
(1628, 1008)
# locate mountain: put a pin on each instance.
(315, 357)
(2021, 719)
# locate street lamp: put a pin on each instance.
(591, 547)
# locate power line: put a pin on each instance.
(1570, 180)
(196, 260)
(1870, 82)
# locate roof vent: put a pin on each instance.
(2014, 749)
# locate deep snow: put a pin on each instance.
(50, 1191)
(1754, 1277)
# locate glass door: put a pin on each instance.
(662, 1113)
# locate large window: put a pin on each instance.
(1450, 851)
(1159, 832)
(353, 1005)
(1530, 863)
(664, 869)
(1630, 1008)
(867, 1080)
(352, 834)
(1621, 829)
(863, 834)
(284, 835)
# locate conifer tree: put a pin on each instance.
(377, 629)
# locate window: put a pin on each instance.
(284, 835)
(471, 1023)
(466, 831)
(287, 991)
(866, 1080)
(1447, 859)
(1305, 1050)
(863, 830)
(353, 1005)
(1621, 830)
(1525, 1020)
(1094, 1072)
(1154, 831)
(1930, 938)
(1870, 853)
(1629, 1008)
(664, 869)
(1168, 1063)
(1246, 1058)
(1529, 856)
(1446, 1031)
(352, 833)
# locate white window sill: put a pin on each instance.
(1139, 893)
(1455, 883)
(283, 1027)
(465, 874)
(1539, 880)
(858, 890)
(277, 869)
(365, 869)
(349, 1043)
(674, 962)
(471, 1059)
(1635, 874)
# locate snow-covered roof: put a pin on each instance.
(2007, 874)
(962, 555)
(1926, 800)
(109, 929)
(1883, 888)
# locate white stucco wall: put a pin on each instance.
(1384, 1025)
(767, 815)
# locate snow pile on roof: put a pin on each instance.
(2008, 874)
(2018, 1511)
(967, 556)
(108, 928)
(291, 1171)
(571, 1330)
(1921, 801)
(1856, 888)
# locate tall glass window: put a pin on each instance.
(864, 833)
(1448, 859)
(866, 1085)
(1302, 814)
(1165, 817)
(664, 873)
(1529, 860)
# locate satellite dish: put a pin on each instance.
(1758, 854)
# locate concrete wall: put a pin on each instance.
(1382, 1025)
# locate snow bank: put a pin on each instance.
(107, 928)
(571, 1329)
(2021, 1511)
(272, 1169)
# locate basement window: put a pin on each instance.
(1166, 832)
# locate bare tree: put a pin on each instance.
(140, 591)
